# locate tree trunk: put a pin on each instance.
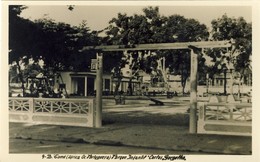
(119, 79)
(213, 81)
(231, 82)
(239, 86)
(183, 82)
(130, 88)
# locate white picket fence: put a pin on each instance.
(225, 118)
(56, 111)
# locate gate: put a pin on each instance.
(55, 111)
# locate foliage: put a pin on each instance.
(240, 33)
(57, 44)
(151, 27)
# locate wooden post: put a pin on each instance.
(193, 92)
(99, 89)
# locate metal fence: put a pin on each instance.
(225, 118)
(75, 112)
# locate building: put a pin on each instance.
(81, 83)
(216, 85)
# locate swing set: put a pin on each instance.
(194, 47)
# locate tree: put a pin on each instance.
(240, 33)
(129, 30)
(58, 44)
(62, 44)
(20, 38)
(151, 27)
(185, 30)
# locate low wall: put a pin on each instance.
(56, 111)
(225, 118)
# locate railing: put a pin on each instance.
(225, 118)
(78, 112)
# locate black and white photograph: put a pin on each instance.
(159, 81)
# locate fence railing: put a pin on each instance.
(79, 112)
(225, 118)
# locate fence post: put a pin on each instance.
(201, 120)
(92, 114)
(202, 109)
(31, 107)
(231, 109)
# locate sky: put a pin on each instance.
(97, 17)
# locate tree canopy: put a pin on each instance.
(240, 33)
(58, 44)
(151, 27)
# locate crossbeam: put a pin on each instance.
(159, 46)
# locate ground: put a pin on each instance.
(50, 147)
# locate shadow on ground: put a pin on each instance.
(141, 117)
